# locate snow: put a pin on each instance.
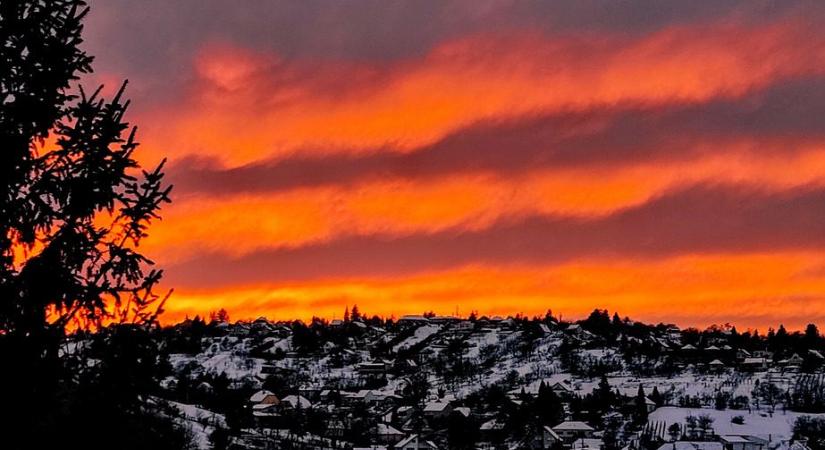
(685, 445)
(259, 396)
(200, 422)
(296, 400)
(759, 424)
(572, 425)
(421, 333)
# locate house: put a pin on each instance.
(673, 333)
(716, 366)
(371, 367)
(259, 396)
(388, 398)
(577, 331)
(571, 430)
(414, 442)
(741, 442)
(587, 444)
(412, 319)
(755, 363)
(690, 445)
(561, 388)
(387, 434)
(444, 319)
(351, 398)
(545, 438)
(793, 361)
(437, 410)
(491, 430)
(295, 402)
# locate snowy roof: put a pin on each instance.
(687, 445)
(716, 362)
(754, 360)
(731, 439)
(550, 431)
(436, 406)
(295, 400)
(561, 385)
(591, 443)
(491, 425)
(412, 318)
(688, 347)
(260, 396)
(572, 425)
(386, 429)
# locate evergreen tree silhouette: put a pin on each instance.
(74, 205)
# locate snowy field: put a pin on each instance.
(759, 424)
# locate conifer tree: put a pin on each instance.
(74, 205)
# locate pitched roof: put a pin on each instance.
(295, 400)
(436, 406)
(386, 429)
(259, 396)
(573, 425)
(550, 431)
(688, 445)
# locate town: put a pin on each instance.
(437, 382)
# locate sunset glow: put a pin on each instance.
(494, 160)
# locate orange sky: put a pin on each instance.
(495, 157)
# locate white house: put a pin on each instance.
(571, 430)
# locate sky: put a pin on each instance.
(659, 158)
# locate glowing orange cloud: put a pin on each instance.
(239, 224)
(757, 289)
(246, 105)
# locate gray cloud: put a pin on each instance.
(695, 220)
(792, 111)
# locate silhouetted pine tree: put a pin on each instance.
(73, 207)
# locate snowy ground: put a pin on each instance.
(776, 428)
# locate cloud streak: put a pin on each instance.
(696, 220)
(583, 154)
(783, 118)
